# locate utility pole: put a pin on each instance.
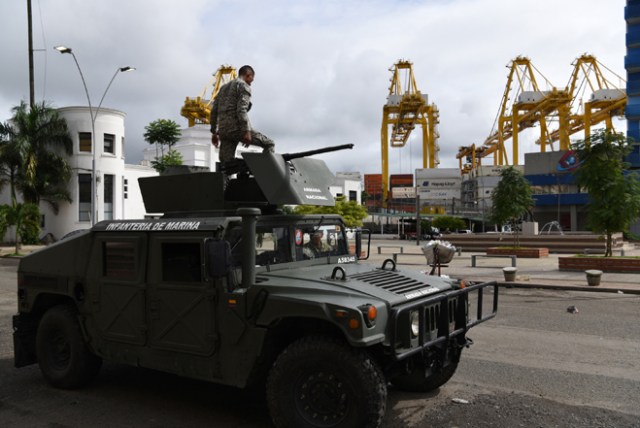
(32, 96)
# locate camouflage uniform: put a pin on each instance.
(229, 116)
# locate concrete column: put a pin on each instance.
(574, 218)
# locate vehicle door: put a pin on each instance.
(117, 294)
(181, 300)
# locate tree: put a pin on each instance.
(162, 132)
(172, 158)
(26, 219)
(446, 222)
(511, 200)
(351, 212)
(34, 146)
(614, 195)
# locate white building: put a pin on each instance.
(348, 184)
(117, 193)
(196, 148)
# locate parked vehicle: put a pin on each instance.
(226, 288)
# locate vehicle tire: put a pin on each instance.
(320, 382)
(64, 359)
(416, 382)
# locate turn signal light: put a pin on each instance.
(372, 313)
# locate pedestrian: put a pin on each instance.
(230, 120)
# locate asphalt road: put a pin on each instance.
(535, 365)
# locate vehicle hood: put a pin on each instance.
(393, 286)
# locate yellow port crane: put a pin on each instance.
(197, 110)
(606, 99)
(530, 106)
(405, 108)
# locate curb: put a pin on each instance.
(569, 288)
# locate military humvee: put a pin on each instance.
(226, 288)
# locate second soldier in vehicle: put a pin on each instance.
(230, 120)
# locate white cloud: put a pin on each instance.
(321, 66)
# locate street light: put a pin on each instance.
(94, 116)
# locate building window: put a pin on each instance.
(109, 143)
(84, 197)
(353, 195)
(125, 188)
(85, 141)
(122, 147)
(108, 197)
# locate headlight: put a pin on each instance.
(415, 323)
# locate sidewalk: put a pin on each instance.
(9, 250)
(532, 273)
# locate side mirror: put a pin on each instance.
(217, 257)
(359, 244)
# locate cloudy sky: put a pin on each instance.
(322, 66)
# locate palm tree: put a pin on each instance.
(37, 142)
(33, 149)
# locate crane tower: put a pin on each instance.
(405, 108)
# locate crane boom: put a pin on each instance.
(530, 106)
(606, 99)
(198, 109)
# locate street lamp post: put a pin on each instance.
(94, 116)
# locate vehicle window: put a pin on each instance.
(312, 241)
(119, 260)
(181, 262)
(272, 245)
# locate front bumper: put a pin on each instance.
(443, 318)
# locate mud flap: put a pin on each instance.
(24, 341)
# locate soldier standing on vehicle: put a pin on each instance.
(230, 120)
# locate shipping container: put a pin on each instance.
(400, 180)
(494, 170)
(373, 184)
(429, 173)
(403, 192)
(485, 192)
(488, 181)
(439, 183)
(438, 194)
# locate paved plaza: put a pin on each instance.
(535, 273)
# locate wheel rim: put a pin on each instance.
(322, 398)
(59, 350)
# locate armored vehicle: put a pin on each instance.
(226, 288)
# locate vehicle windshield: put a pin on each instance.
(277, 244)
(313, 241)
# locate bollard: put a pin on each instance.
(509, 273)
(593, 277)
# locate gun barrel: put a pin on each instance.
(289, 156)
